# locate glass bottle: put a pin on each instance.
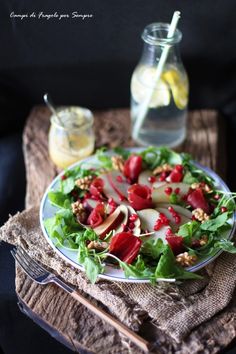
(159, 105)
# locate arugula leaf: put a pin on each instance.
(104, 158)
(188, 230)
(67, 185)
(173, 157)
(215, 224)
(153, 248)
(122, 152)
(174, 198)
(225, 245)
(154, 156)
(189, 178)
(226, 200)
(137, 269)
(78, 172)
(58, 198)
(92, 268)
(168, 268)
(61, 225)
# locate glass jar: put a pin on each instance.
(159, 104)
(71, 135)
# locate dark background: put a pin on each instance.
(90, 63)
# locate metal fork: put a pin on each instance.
(41, 276)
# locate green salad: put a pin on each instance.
(152, 214)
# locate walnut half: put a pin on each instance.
(84, 182)
(79, 211)
(118, 163)
(97, 246)
(200, 215)
(164, 168)
(185, 259)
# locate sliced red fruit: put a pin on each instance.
(176, 174)
(223, 209)
(124, 221)
(133, 167)
(96, 216)
(139, 196)
(125, 246)
(113, 221)
(176, 243)
(197, 199)
(96, 187)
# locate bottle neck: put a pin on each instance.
(152, 53)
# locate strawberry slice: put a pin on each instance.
(197, 199)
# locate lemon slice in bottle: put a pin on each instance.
(142, 83)
(178, 86)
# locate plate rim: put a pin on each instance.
(195, 268)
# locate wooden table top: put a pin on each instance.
(49, 305)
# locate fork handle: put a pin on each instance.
(120, 327)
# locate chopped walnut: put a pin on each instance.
(185, 259)
(118, 163)
(164, 168)
(205, 187)
(195, 185)
(97, 246)
(84, 182)
(203, 240)
(79, 211)
(200, 215)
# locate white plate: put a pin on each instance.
(47, 210)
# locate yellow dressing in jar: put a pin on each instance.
(71, 136)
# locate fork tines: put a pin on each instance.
(32, 268)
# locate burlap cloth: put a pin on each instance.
(189, 317)
(174, 309)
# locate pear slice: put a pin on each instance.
(179, 209)
(91, 203)
(118, 191)
(125, 211)
(112, 222)
(158, 184)
(148, 218)
(144, 176)
(121, 186)
(159, 195)
(173, 225)
(108, 190)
